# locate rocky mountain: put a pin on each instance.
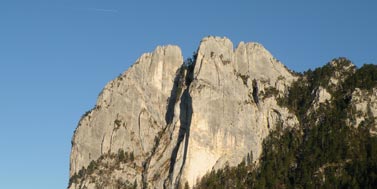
(166, 122)
(334, 145)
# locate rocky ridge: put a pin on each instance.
(334, 145)
(180, 121)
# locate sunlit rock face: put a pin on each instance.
(129, 114)
(364, 109)
(179, 121)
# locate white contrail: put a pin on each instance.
(103, 10)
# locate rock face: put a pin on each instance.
(364, 105)
(163, 123)
(129, 113)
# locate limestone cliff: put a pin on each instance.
(334, 145)
(163, 122)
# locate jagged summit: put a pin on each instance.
(179, 122)
(165, 123)
(248, 58)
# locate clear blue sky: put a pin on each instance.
(56, 56)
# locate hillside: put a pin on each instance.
(335, 144)
(228, 118)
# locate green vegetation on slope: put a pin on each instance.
(99, 171)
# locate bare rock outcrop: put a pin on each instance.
(129, 114)
(180, 121)
(364, 107)
(234, 104)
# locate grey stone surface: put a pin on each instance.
(181, 122)
(364, 108)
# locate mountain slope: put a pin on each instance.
(166, 123)
(180, 120)
(335, 145)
